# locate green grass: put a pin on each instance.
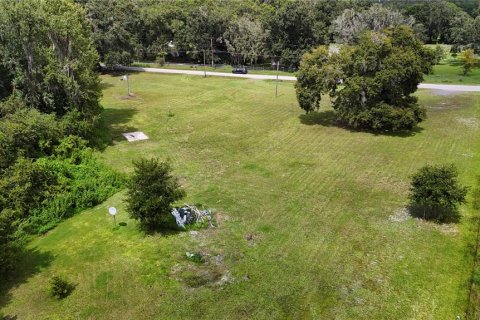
(316, 198)
(450, 70)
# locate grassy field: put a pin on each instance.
(320, 204)
(450, 70)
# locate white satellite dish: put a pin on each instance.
(112, 211)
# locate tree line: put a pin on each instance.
(252, 30)
(49, 113)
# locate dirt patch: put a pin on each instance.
(472, 123)
(128, 97)
(206, 271)
(440, 92)
(220, 218)
(400, 215)
(445, 228)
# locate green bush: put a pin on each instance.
(476, 276)
(436, 193)
(61, 288)
(50, 189)
(27, 133)
(152, 191)
(72, 148)
(439, 54)
(26, 185)
(9, 244)
(160, 58)
(77, 124)
(83, 185)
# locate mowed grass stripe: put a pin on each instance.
(316, 198)
(335, 160)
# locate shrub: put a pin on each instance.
(437, 193)
(160, 58)
(476, 276)
(60, 288)
(468, 60)
(50, 189)
(27, 133)
(152, 191)
(71, 148)
(83, 183)
(77, 124)
(26, 185)
(8, 241)
(439, 54)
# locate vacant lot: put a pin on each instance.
(310, 214)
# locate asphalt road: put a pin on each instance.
(445, 87)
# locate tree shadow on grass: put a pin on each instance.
(329, 119)
(112, 124)
(324, 118)
(119, 73)
(29, 263)
(105, 85)
(167, 231)
(438, 215)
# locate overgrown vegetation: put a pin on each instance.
(47, 50)
(35, 195)
(49, 104)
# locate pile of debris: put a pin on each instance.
(191, 214)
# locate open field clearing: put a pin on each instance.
(450, 71)
(310, 221)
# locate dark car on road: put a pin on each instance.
(240, 70)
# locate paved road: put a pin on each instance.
(210, 73)
(445, 87)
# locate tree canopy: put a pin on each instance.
(48, 52)
(152, 191)
(351, 24)
(437, 190)
(257, 31)
(49, 90)
(377, 78)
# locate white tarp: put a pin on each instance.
(135, 136)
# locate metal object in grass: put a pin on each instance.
(190, 214)
(135, 136)
(113, 212)
(125, 78)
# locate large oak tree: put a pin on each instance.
(371, 84)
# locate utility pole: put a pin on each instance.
(204, 65)
(276, 81)
(125, 78)
(211, 47)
